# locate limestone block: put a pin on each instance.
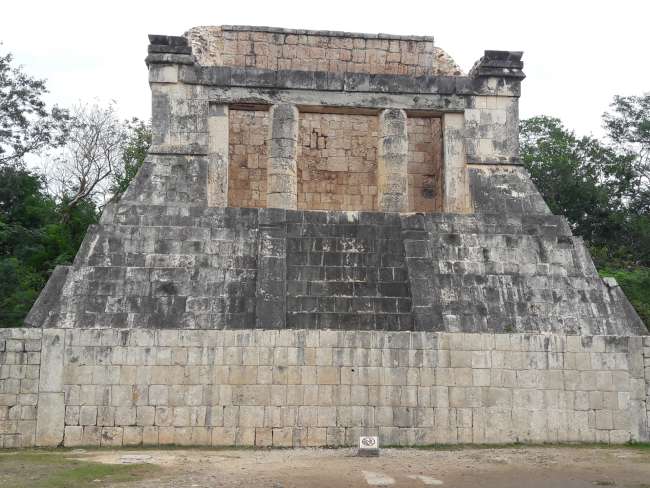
(223, 436)
(73, 436)
(72, 415)
(461, 359)
(145, 415)
(316, 436)
(159, 395)
(328, 375)
(251, 416)
(106, 416)
(132, 436)
(263, 437)
(245, 436)
(88, 415)
(91, 435)
(51, 378)
(121, 395)
(150, 436)
(125, 415)
(604, 420)
(166, 435)
(51, 408)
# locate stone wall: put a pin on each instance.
(336, 52)
(312, 388)
(215, 268)
(337, 162)
(425, 183)
(20, 359)
(247, 158)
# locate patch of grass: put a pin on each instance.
(52, 469)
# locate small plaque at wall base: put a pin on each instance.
(368, 446)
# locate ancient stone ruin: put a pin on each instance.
(332, 236)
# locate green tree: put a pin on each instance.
(33, 239)
(26, 124)
(579, 177)
(133, 155)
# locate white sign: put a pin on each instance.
(368, 442)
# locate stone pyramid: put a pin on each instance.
(325, 180)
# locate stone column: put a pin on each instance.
(392, 161)
(281, 172)
(50, 414)
(218, 155)
(456, 191)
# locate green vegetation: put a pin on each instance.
(635, 282)
(602, 187)
(44, 215)
(57, 469)
(34, 238)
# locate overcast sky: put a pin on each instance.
(577, 54)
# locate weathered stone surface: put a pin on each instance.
(274, 48)
(188, 318)
(50, 420)
(392, 162)
(452, 387)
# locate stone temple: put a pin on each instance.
(332, 236)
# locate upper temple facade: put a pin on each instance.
(314, 179)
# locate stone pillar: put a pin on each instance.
(50, 415)
(456, 190)
(392, 161)
(281, 172)
(218, 155)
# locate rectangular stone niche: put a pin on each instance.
(248, 132)
(425, 163)
(337, 162)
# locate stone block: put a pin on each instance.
(166, 436)
(604, 420)
(245, 436)
(316, 437)
(263, 437)
(51, 378)
(150, 436)
(223, 436)
(159, 395)
(73, 436)
(133, 436)
(328, 375)
(145, 415)
(51, 413)
(92, 435)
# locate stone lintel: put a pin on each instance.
(328, 99)
(347, 82)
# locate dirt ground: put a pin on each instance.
(333, 468)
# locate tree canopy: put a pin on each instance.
(44, 215)
(26, 124)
